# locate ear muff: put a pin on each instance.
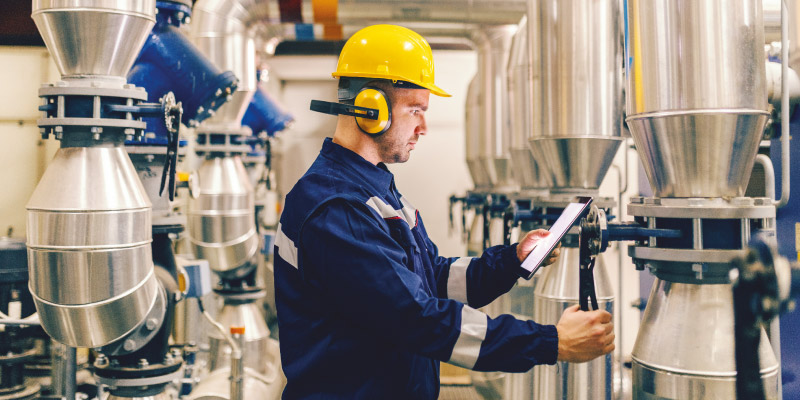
(374, 98)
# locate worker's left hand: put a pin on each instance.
(527, 244)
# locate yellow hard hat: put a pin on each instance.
(388, 52)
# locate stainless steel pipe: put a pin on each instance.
(220, 30)
(221, 217)
(556, 291)
(697, 101)
(525, 111)
(576, 53)
(695, 322)
(89, 218)
(494, 46)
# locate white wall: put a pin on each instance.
(23, 155)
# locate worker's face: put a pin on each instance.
(408, 123)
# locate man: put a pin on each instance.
(366, 306)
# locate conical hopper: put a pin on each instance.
(575, 163)
(576, 75)
(697, 102)
(94, 37)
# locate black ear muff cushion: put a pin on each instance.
(371, 97)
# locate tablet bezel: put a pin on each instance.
(528, 273)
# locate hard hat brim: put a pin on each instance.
(433, 88)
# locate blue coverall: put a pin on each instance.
(366, 306)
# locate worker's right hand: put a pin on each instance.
(584, 335)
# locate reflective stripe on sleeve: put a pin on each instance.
(286, 248)
(457, 280)
(473, 331)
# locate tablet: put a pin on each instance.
(571, 213)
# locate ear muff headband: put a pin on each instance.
(376, 99)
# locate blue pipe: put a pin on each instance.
(264, 114)
(169, 62)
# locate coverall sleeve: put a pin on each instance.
(476, 281)
(348, 255)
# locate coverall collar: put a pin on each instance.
(377, 175)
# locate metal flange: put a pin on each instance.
(703, 208)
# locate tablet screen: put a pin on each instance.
(571, 213)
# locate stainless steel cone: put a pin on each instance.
(221, 217)
(697, 101)
(695, 324)
(580, 162)
(220, 32)
(576, 81)
(557, 290)
(258, 352)
(89, 234)
(94, 37)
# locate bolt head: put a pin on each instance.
(101, 361)
(151, 323)
(129, 345)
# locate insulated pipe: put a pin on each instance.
(769, 174)
(494, 47)
(221, 212)
(89, 218)
(785, 111)
(220, 29)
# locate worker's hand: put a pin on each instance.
(527, 244)
(584, 335)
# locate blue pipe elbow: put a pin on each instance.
(169, 62)
(264, 114)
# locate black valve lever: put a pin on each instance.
(172, 119)
(586, 289)
(588, 248)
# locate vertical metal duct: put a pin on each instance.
(220, 30)
(472, 128)
(697, 133)
(697, 107)
(494, 45)
(221, 212)
(576, 48)
(89, 229)
(575, 51)
(525, 111)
